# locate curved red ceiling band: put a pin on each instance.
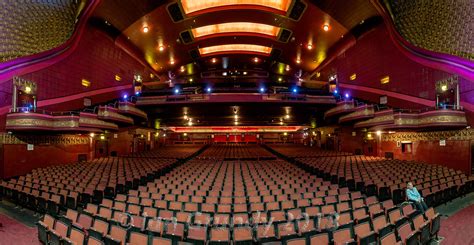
(193, 7)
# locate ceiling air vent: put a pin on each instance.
(194, 54)
(297, 10)
(175, 12)
(186, 37)
(284, 36)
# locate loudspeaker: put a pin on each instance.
(194, 54)
(297, 10)
(175, 12)
(186, 37)
(284, 36)
(275, 54)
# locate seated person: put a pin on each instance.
(414, 197)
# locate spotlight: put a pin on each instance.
(236, 117)
(161, 48)
(335, 91)
(298, 61)
(309, 46)
(444, 87)
(92, 135)
(256, 60)
(379, 133)
(137, 93)
(185, 117)
(245, 73)
(28, 89)
(285, 133)
(213, 60)
(125, 96)
(172, 62)
(208, 89)
(181, 69)
(287, 68)
(146, 29)
(190, 123)
(262, 89)
(102, 137)
(176, 91)
(185, 134)
(190, 80)
(326, 27)
(295, 90)
(287, 116)
(280, 79)
(224, 73)
(347, 96)
(236, 123)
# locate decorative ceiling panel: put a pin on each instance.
(33, 26)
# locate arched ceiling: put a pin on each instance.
(148, 26)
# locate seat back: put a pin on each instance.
(321, 238)
(388, 239)
(137, 238)
(118, 233)
(342, 236)
(77, 236)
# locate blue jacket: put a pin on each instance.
(413, 194)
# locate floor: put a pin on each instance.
(457, 222)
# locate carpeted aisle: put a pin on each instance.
(16, 233)
(459, 228)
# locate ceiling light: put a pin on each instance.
(208, 89)
(161, 48)
(185, 134)
(281, 123)
(190, 80)
(102, 137)
(385, 80)
(326, 27)
(118, 78)
(280, 79)
(92, 135)
(353, 77)
(309, 46)
(245, 73)
(444, 87)
(185, 117)
(287, 68)
(85, 83)
(213, 60)
(125, 96)
(182, 69)
(172, 62)
(190, 6)
(236, 27)
(295, 90)
(27, 89)
(236, 123)
(298, 61)
(347, 96)
(176, 91)
(262, 90)
(236, 117)
(224, 73)
(255, 59)
(190, 123)
(287, 116)
(379, 133)
(235, 48)
(285, 133)
(146, 29)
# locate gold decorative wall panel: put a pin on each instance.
(436, 25)
(6, 138)
(464, 134)
(32, 26)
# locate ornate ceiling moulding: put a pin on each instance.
(235, 48)
(236, 28)
(89, 120)
(112, 114)
(380, 118)
(361, 112)
(128, 108)
(341, 107)
(193, 7)
(236, 129)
